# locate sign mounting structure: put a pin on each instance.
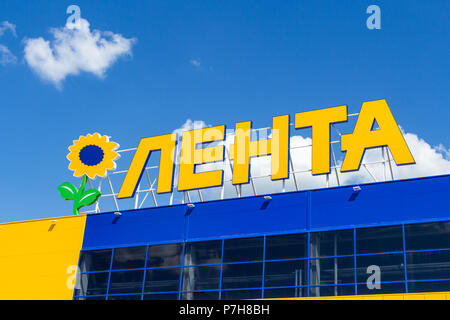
(354, 145)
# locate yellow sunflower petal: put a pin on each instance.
(100, 169)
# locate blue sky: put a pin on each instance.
(254, 60)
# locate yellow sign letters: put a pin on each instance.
(363, 137)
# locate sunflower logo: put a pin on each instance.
(90, 156)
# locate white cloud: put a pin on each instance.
(74, 50)
(190, 125)
(5, 25)
(6, 56)
(444, 151)
(195, 62)
(430, 161)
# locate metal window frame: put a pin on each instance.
(308, 259)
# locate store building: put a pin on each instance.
(352, 241)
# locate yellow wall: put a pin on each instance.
(396, 296)
(38, 259)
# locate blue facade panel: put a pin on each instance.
(246, 216)
(415, 200)
(381, 203)
(136, 227)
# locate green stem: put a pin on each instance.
(82, 186)
(79, 194)
(75, 209)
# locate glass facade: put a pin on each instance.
(376, 260)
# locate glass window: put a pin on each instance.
(125, 297)
(129, 258)
(161, 296)
(90, 298)
(126, 281)
(428, 265)
(427, 236)
(205, 295)
(380, 268)
(285, 273)
(325, 291)
(241, 250)
(290, 246)
(95, 260)
(429, 286)
(331, 243)
(246, 275)
(332, 271)
(201, 278)
(92, 284)
(159, 280)
(382, 288)
(285, 293)
(205, 252)
(166, 255)
(241, 294)
(380, 239)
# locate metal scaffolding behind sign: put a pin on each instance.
(300, 177)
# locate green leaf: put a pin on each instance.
(89, 197)
(68, 191)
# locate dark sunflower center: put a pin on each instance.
(91, 155)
